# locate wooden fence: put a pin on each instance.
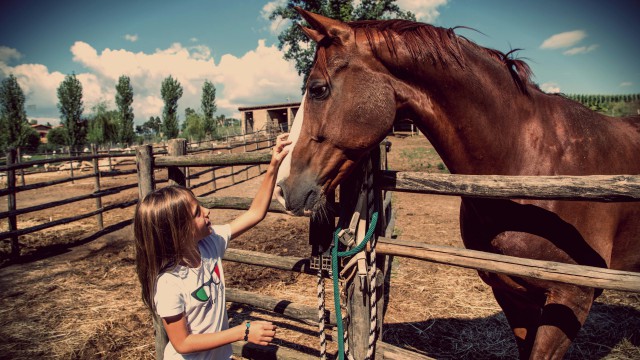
(13, 171)
(376, 183)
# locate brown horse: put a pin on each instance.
(480, 111)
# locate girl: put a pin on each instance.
(178, 261)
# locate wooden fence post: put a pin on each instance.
(96, 171)
(11, 204)
(144, 164)
(177, 175)
(357, 299)
(358, 293)
(146, 184)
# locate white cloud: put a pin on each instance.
(425, 10)
(563, 40)
(550, 88)
(279, 24)
(626, 84)
(260, 76)
(8, 54)
(581, 50)
(130, 37)
(37, 83)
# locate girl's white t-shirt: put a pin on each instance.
(198, 293)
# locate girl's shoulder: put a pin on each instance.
(216, 243)
(223, 231)
(173, 273)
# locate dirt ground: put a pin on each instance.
(75, 295)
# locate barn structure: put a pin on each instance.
(271, 118)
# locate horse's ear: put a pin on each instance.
(312, 34)
(324, 26)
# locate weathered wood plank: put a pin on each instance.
(289, 263)
(144, 165)
(271, 352)
(42, 184)
(304, 313)
(546, 270)
(585, 188)
(252, 158)
(236, 203)
(7, 234)
(70, 200)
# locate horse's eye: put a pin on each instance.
(318, 92)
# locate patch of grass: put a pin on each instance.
(423, 159)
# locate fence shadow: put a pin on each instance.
(607, 326)
(59, 249)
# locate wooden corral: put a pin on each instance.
(376, 182)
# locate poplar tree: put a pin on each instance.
(71, 108)
(12, 114)
(208, 106)
(171, 92)
(124, 99)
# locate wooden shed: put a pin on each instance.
(271, 117)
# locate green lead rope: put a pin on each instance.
(335, 254)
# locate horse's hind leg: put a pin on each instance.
(523, 316)
(564, 313)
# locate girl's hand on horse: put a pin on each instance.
(279, 151)
(261, 332)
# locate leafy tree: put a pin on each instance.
(57, 136)
(103, 125)
(171, 92)
(14, 117)
(194, 125)
(208, 106)
(71, 108)
(31, 139)
(124, 98)
(154, 124)
(296, 42)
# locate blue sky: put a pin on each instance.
(584, 46)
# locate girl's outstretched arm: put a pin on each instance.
(258, 209)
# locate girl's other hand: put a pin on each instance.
(261, 332)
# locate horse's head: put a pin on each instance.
(348, 108)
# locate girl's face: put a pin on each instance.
(202, 224)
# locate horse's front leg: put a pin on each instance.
(563, 314)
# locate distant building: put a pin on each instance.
(271, 118)
(42, 131)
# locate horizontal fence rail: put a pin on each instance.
(253, 158)
(590, 276)
(584, 188)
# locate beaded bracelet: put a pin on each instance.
(246, 331)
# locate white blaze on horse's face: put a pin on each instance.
(285, 167)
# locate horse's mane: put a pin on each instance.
(439, 45)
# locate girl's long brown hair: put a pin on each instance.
(162, 225)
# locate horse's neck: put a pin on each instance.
(468, 129)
